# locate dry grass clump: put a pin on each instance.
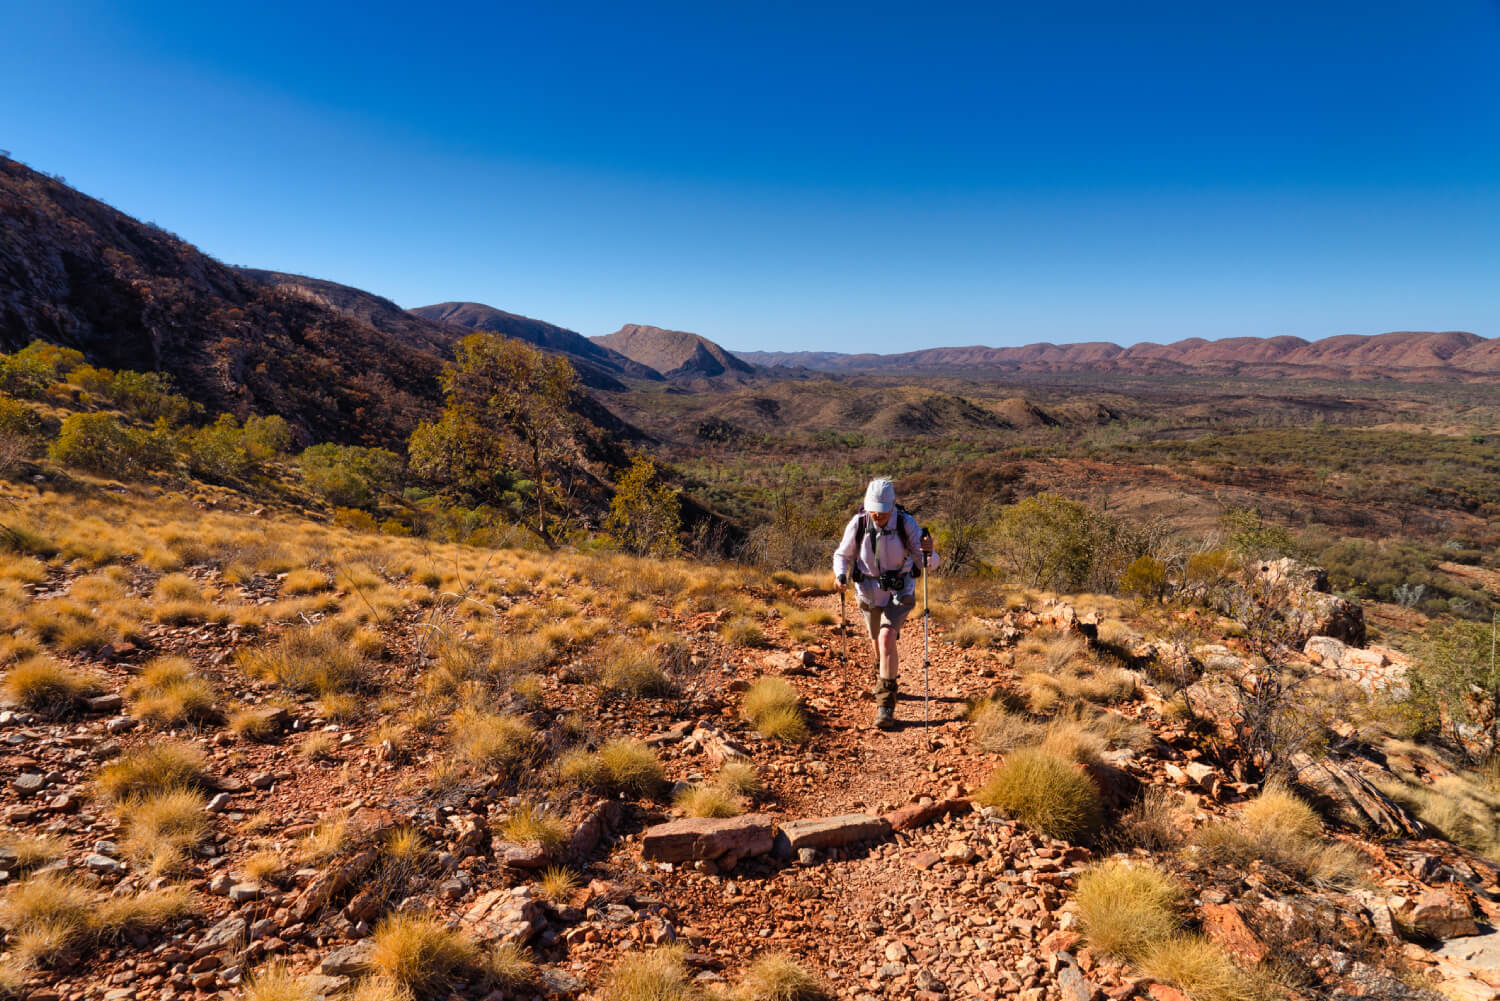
(1201, 969)
(971, 633)
(21, 853)
(419, 953)
(631, 668)
(558, 884)
(329, 837)
(314, 659)
(51, 915)
(251, 724)
(1044, 791)
(168, 693)
(997, 728)
(708, 800)
(318, 746)
(161, 827)
(13, 976)
(1124, 909)
(265, 865)
(45, 686)
(740, 778)
(152, 768)
(774, 707)
(491, 742)
(1050, 653)
(530, 824)
(658, 975)
(1284, 832)
(118, 917)
(1153, 822)
(1074, 741)
(277, 981)
(1135, 912)
(305, 582)
(743, 631)
(176, 587)
(776, 976)
(618, 766)
(508, 966)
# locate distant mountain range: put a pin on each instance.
(344, 364)
(1407, 353)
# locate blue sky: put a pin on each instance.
(791, 177)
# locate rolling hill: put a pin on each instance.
(676, 354)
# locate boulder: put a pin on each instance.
(1440, 914)
(1309, 610)
(504, 915)
(348, 961)
(708, 838)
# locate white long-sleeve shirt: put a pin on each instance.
(898, 546)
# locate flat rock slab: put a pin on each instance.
(705, 838)
(922, 814)
(832, 832)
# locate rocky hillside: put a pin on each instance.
(249, 753)
(1408, 354)
(676, 354)
(131, 296)
(599, 366)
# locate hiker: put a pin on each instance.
(884, 551)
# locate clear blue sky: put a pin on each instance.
(779, 176)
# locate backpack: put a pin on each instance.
(862, 527)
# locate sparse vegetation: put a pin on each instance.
(618, 766)
(168, 693)
(708, 800)
(1126, 908)
(777, 976)
(43, 685)
(151, 769)
(419, 953)
(1044, 791)
(774, 706)
(658, 975)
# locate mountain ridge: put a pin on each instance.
(1349, 355)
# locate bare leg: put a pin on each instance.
(889, 658)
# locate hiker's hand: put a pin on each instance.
(926, 543)
(843, 580)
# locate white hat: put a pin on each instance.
(880, 496)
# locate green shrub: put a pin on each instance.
(349, 476)
(1044, 791)
(1147, 577)
(645, 516)
(33, 370)
(147, 396)
(95, 443)
(1051, 542)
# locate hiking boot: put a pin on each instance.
(885, 704)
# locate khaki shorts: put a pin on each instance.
(887, 616)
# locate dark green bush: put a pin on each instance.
(350, 476)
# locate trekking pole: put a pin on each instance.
(843, 631)
(926, 651)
